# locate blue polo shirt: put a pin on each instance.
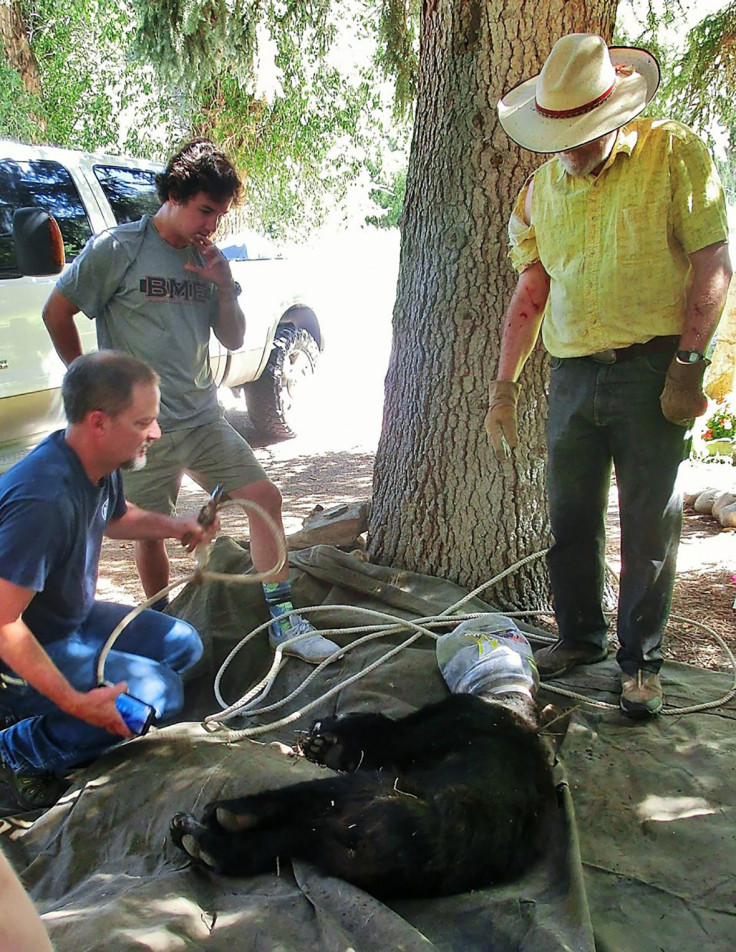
(52, 520)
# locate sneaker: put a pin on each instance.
(641, 694)
(33, 791)
(560, 658)
(314, 650)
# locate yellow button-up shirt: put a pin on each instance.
(616, 245)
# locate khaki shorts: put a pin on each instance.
(211, 454)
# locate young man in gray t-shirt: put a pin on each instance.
(156, 288)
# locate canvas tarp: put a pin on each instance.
(641, 857)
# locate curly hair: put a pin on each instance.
(199, 166)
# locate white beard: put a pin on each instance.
(579, 165)
(136, 464)
(585, 159)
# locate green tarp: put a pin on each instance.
(642, 857)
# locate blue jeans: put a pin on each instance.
(151, 654)
(601, 414)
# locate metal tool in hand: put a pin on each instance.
(208, 512)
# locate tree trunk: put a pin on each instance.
(18, 53)
(442, 504)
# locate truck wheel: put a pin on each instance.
(272, 399)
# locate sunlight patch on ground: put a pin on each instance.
(667, 809)
(108, 591)
(720, 553)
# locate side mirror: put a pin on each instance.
(39, 246)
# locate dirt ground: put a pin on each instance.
(309, 476)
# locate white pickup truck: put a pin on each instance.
(86, 194)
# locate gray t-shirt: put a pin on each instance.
(133, 283)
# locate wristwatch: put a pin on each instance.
(689, 356)
(233, 290)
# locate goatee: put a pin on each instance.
(136, 464)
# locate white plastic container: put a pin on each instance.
(487, 655)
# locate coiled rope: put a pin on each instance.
(202, 574)
(384, 625)
(391, 625)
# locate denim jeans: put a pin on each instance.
(151, 654)
(601, 414)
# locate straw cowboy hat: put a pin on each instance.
(585, 90)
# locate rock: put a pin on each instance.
(722, 503)
(341, 525)
(705, 500)
(727, 517)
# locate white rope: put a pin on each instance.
(378, 631)
(264, 686)
(260, 690)
(421, 626)
(392, 625)
(201, 574)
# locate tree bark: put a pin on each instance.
(442, 505)
(18, 53)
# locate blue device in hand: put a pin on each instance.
(136, 713)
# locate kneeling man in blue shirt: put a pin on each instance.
(55, 507)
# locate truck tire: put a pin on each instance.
(272, 398)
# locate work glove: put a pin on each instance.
(682, 398)
(501, 417)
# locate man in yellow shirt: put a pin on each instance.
(620, 242)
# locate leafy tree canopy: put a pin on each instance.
(90, 86)
(322, 122)
(698, 58)
(298, 91)
(140, 75)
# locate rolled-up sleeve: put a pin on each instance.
(522, 238)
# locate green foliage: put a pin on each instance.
(194, 41)
(698, 70)
(143, 75)
(398, 50)
(700, 87)
(397, 59)
(721, 424)
(190, 41)
(17, 107)
(390, 198)
(302, 141)
(89, 83)
(299, 150)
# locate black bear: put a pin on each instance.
(453, 797)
